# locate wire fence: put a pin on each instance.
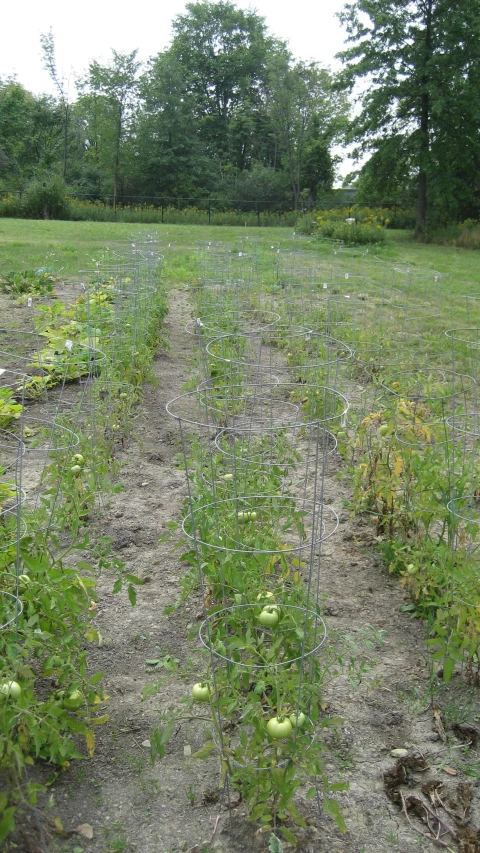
(210, 205)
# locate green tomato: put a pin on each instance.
(252, 515)
(341, 434)
(73, 701)
(76, 469)
(11, 689)
(412, 569)
(245, 516)
(269, 616)
(238, 598)
(279, 728)
(384, 430)
(201, 691)
(78, 459)
(228, 478)
(297, 719)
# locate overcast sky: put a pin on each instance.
(90, 29)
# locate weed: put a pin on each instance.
(191, 795)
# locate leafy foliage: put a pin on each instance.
(419, 62)
(28, 282)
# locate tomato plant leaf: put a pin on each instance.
(448, 668)
(332, 808)
(90, 742)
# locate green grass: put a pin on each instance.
(73, 246)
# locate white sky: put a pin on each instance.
(90, 29)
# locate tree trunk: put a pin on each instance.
(421, 202)
(65, 140)
(117, 158)
(424, 125)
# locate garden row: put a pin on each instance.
(72, 367)
(285, 340)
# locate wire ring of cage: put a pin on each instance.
(304, 612)
(380, 294)
(385, 358)
(351, 251)
(468, 501)
(14, 379)
(18, 608)
(18, 529)
(258, 379)
(422, 434)
(447, 375)
(468, 335)
(214, 413)
(10, 445)
(80, 356)
(360, 348)
(426, 272)
(459, 424)
(203, 324)
(124, 284)
(246, 502)
(228, 432)
(219, 413)
(19, 496)
(461, 600)
(51, 426)
(306, 335)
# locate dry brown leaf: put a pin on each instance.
(469, 840)
(438, 723)
(430, 788)
(465, 796)
(451, 771)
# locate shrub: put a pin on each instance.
(385, 217)
(357, 234)
(10, 205)
(465, 235)
(170, 215)
(45, 200)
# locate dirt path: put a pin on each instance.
(137, 808)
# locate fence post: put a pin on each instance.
(162, 212)
(209, 212)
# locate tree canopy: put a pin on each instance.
(206, 116)
(227, 111)
(419, 60)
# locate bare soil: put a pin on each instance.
(174, 805)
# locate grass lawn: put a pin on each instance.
(74, 246)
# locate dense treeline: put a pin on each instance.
(227, 112)
(419, 61)
(224, 111)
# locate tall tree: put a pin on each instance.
(61, 86)
(171, 157)
(30, 130)
(307, 115)
(109, 102)
(420, 63)
(224, 52)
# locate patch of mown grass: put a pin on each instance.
(70, 246)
